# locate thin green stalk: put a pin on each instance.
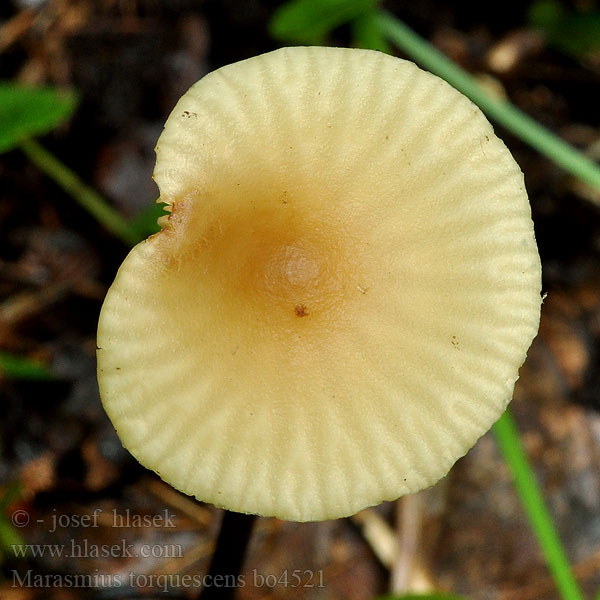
(88, 198)
(501, 111)
(507, 437)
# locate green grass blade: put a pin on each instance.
(88, 198)
(501, 111)
(507, 437)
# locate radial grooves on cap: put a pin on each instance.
(315, 419)
(384, 111)
(324, 479)
(290, 110)
(229, 114)
(367, 468)
(391, 422)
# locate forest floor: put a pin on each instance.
(61, 462)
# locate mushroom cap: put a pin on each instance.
(338, 304)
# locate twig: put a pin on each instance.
(378, 534)
(409, 511)
(384, 543)
(24, 305)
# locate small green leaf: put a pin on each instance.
(27, 111)
(145, 223)
(11, 493)
(576, 34)
(8, 535)
(310, 21)
(366, 34)
(18, 367)
(545, 15)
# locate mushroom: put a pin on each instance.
(338, 304)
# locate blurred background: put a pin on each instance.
(79, 518)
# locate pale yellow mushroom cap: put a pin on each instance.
(343, 294)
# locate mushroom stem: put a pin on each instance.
(227, 560)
